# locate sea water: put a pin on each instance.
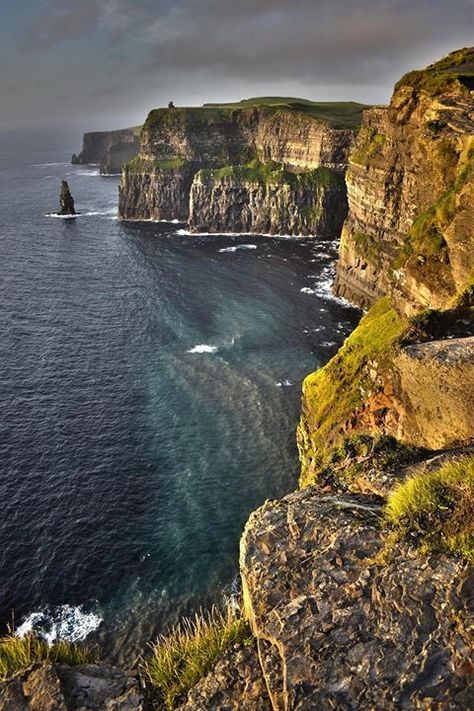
(150, 385)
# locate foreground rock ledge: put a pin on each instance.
(58, 687)
(334, 630)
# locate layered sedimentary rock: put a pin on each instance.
(271, 202)
(161, 193)
(411, 192)
(248, 144)
(109, 149)
(336, 630)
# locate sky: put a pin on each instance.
(97, 64)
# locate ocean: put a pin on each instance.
(150, 386)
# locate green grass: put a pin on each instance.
(332, 393)
(446, 74)
(187, 653)
(436, 509)
(18, 653)
(369, 146)
(271, 172)
(138, 165)
(338, 114)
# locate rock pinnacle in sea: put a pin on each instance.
(66, 201)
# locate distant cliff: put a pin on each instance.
(109, 149)
(252, 168)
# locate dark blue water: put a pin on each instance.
(150, 386)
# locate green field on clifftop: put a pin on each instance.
(339, 114)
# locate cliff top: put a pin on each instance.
(455, 72)
(338, 114)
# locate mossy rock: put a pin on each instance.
(332, 394)
(455, 72)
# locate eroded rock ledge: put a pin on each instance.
(58, 687)
(336, 631)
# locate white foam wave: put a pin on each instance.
(92, 213)
(238, 246)
(203, 348)
(86, 173)
(187, 233)
(64, 622)
(308, 290)
(284, 384)
(44, 165)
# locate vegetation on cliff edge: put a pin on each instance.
(187, 653)
(18, 653)
(435, 510)
(256, 172)
(453, 72)
(344, 115)
(332, 394)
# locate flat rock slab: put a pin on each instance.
(335, 630)
(58, 687)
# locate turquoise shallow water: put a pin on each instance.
(150, 386)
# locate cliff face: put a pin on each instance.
(242, 197)
(278, 202)
(161, 194)
(410, 189)
(335, 630)
(109, 149)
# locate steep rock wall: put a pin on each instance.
(282, 203)
(109, 149)
(215, 138)
(160, 194)
(411, 193)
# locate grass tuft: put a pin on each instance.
(187, 653)
(18, 653)
(436, 509)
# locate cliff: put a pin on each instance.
(359, 587)
(109, 149)
(267, 199)
(253, 165)
(410, 187)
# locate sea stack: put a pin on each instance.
(66, 201)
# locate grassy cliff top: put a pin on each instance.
(337, 114)
(453, 72)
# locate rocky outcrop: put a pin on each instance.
(58, 687)
(66, 201)
(385, 381)
(334, 629)
(174, 141)
(410, 189)
(236, 683)
(310, 203)
(109, 149)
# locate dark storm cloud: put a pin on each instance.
(124, 56)
(58, 22)
(307, 40)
